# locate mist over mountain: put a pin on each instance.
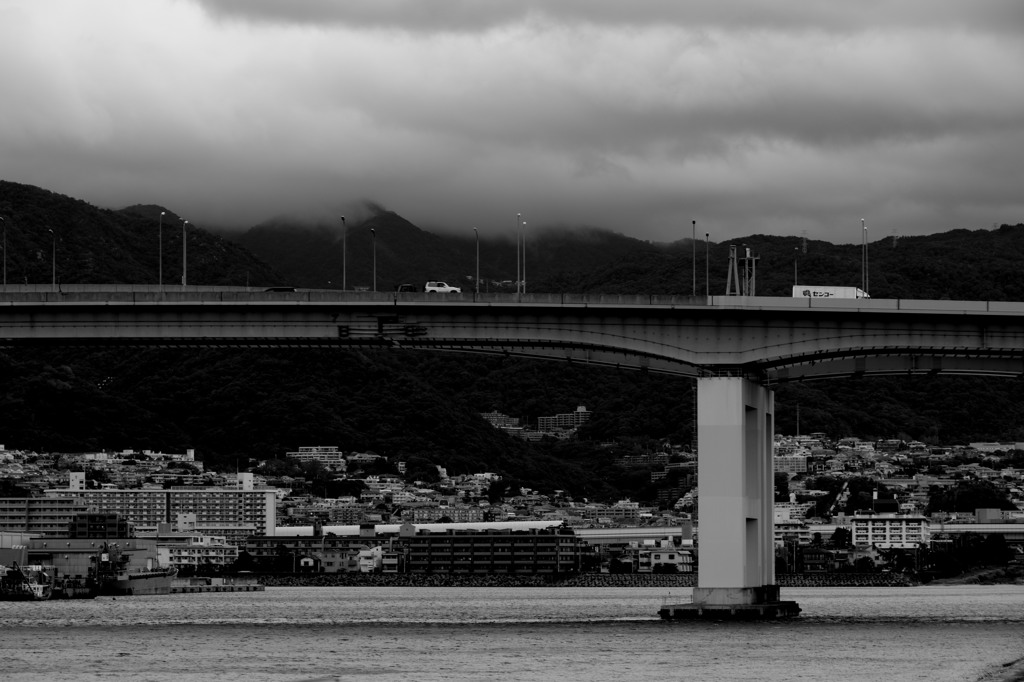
(51, 235)
(423, 407)
(318, 254)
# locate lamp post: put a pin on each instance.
(863, 255)
(373, 238)
(184, 254)
(693, 242)
(53, 260)
(867, 263)
(5, 248)
(524, 256)
(344, 253)
(707, 268)
(519, 220)
(477, 233)
(796, 256)
(160, 251)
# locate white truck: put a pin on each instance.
(819, 291)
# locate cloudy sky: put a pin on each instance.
(782, 117)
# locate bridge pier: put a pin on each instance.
(735, 484)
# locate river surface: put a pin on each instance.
(934, 634)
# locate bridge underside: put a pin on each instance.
(827, 365)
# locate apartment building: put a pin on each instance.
(195, 551)
(328, 455)
(790, 464)
(39, 515)
(888, 531)
(564, 422)
(493, 551)
(146, 508)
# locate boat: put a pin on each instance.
(74, 588)
(26, 583)
(113, 576)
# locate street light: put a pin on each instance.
(160, 250)
(519, 220)
(53, 260)
(184, 255)
(693, 241)
(477, 233)
(524, 256)
(867, 263)
(707, 270)
(344, 252)
(863, 256)
(5, 248)
(373, 237)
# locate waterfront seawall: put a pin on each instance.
(581, 580)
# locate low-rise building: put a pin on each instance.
(889, 531)
(497, 551)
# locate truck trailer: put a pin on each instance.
(811, 291)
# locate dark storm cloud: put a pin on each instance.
(477, 15)
(781, 117)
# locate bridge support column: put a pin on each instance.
(735, 481)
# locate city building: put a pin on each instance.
(88, 536)
(328, 455)
(536, 551)
(568, 421)
(246, 506)
(790, 464)
(888, 531)
(192, 551)
(39, 515)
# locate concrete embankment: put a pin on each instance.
(581, 580)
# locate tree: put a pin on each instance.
(840, 538)
(967, 496)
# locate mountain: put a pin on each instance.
(960, 264)
(312, 254)
(49, 235)
(422, 407)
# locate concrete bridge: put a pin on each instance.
(736, 348)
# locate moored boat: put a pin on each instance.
(114, 576)
(26, 583)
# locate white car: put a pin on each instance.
(441, 288)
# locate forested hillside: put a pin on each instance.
(234, 406)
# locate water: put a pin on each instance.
(934, 634)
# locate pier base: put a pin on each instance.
(718, 603)
(735, 527)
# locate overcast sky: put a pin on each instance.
(784, 117)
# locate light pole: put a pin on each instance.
(477, 233)
(867, 263)
(863, 255)
(796, 256)
(53, 260)
(184, 254)
(373, 238)
(524, 256)
(519, 220)
(344, 252)
(707, 267)
(5, 248)
(160, 251)
(693, 241)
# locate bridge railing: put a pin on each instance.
(14, 294)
